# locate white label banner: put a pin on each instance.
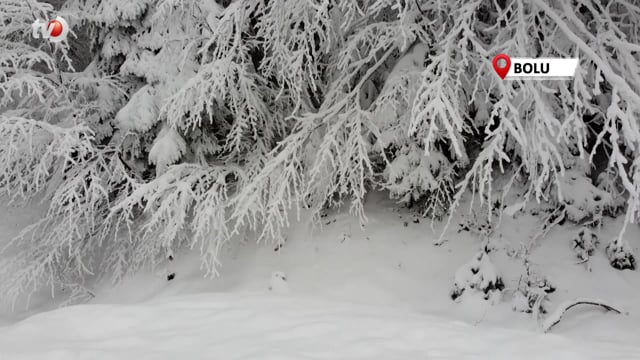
(542, 68)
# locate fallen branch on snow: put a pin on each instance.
(556, 316)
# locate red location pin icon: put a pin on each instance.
(504, 70)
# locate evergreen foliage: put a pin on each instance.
(194, 120)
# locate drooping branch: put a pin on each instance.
(554, 318)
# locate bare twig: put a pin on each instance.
(556, 316)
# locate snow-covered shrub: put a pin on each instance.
(620, 255)
(423, 181)
(584, 244)
(476, 224)
(581, 200)
(610, 182)
(531, 295)
(478, 276)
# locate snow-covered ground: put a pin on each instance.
(259, 326)
(378, 292)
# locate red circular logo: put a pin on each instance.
(55, 28)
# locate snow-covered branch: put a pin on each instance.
(554, 318)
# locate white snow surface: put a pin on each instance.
(377, 292)
(260, 326)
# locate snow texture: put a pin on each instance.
(257, 326)
(167, 149)
(141, 112)
(278, 282)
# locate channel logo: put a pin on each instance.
(534, 68)
(55, 30)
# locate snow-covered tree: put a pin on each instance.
(198, 119)
(54, 127)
